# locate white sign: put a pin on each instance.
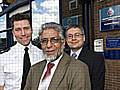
(98, 45)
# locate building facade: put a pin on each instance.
(101, 21)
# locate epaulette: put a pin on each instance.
(4, 50)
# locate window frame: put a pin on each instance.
(70, 4)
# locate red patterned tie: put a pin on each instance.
(48, 72)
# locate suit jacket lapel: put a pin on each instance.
(59, 73)
(42, 66)
(67, 50)
(39, 69)
(82, 53)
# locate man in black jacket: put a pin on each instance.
(75, 38)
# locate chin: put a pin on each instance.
(26, 44)
(50, 57)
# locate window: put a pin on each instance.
(3, 22)
(73, 4)
(44, 11)
(3, 40)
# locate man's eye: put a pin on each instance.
(55, 40)
(44, 41)
(69, 36)
(77, 34)
(26, 28)
(17, 29)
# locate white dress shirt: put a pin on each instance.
(44, 84)
(11, 65)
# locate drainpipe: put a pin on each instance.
(86, 22)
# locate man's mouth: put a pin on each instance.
(50, 52)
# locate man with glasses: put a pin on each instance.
(75, 47)
(58, 71)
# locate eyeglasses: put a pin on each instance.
(54, 40)
(76, 35)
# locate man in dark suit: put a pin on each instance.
(58, 71)
(75, 47)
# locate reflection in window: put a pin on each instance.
(44, 11)
(3, 40)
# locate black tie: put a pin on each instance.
(26, 67)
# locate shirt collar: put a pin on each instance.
(22, 47)
(77, 52)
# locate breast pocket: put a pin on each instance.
(12, 71)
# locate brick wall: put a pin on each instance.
(112, 75)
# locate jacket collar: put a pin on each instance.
(60, 71)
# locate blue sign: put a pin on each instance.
(112, 54)
(110, 18)
(70, 20)
(112, 42)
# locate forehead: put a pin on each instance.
(74, 30)
(49, 33)
(21, 23)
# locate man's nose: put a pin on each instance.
(22, 31)
(74, 37)
(49, 44)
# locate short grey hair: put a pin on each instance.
(52, 25)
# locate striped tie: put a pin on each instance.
(74, 55)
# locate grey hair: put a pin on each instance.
(52, 25)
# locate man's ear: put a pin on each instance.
(83, 37)
(64, 42)
(12, 32)
(13, 35)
